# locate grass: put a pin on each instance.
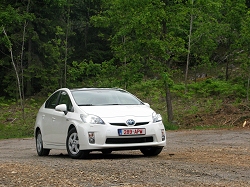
(171, 126)
(12, 124)
(15, 131)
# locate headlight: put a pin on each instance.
(92, 119)
(156, 117)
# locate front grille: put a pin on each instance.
(129, 140)
(124, 124)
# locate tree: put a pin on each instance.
(200, 29)
(49, 49)
(9, 16)
(245, 53)
(9, 46)
(139, 37)
(232, 13)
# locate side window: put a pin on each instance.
(64, 99)
(52, 101)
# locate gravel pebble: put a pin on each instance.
(191, 158)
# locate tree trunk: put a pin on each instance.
(189, 48)
(125, 63)
(169, 103)
(66, 45)
(28, 81)
(227, 73)
(15, 69)
(167, 88)
(248, 84)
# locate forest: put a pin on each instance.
(167, 52)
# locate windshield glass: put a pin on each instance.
(98, 97)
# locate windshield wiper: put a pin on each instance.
(86, 105)
(122, 104)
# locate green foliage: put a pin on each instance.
(179, 91)
(8, 15)
(83, 70)
(149, 91)
(215, 88)
(56, 2)
(193, 110)
(140, 38)
(89, 74)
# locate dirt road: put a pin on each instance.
(191, 158)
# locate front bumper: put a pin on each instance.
(107, 137)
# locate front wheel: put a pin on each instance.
(151, 151)
(39, 145)
(73, 146)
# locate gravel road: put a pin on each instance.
(191, 158)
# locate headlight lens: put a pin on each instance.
(156, 117)
(92, 119)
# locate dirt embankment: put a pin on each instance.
(227, 115)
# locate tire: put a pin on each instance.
(151, 151)
(73, 146)
(39, 145)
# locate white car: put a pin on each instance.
(97, 119)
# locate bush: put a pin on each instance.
(217, 88)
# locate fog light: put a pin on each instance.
(163, 135)
(91, 137)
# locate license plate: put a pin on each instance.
(127, 132)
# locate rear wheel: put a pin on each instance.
(73, 146)
(151, 151)
(39, 145)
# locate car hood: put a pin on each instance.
(114, 111)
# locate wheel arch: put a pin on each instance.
(36, 130)
(71, 127)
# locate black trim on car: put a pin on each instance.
(129, 140)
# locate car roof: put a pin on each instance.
(89, 89)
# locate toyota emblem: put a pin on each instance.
(130, 122)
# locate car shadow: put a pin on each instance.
(94, 156)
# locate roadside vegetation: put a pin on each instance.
(210, 103)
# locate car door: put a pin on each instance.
(47, 118)
(60, 122)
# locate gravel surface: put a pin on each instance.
(191, 158)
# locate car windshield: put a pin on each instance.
(100, 97)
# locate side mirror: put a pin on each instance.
(62, 108)
(146, 104)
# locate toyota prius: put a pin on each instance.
(97, 119)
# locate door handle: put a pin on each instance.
(53, 118)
